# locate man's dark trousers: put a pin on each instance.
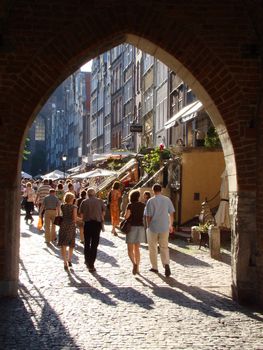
(92, 236)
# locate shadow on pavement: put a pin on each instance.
(83, 287)
(25, 234)
(29, 322)
(178, 297)
(207, 302)
(101, 256)
(107, 242)
(106, 258)
(186, 259)
(226, 258)
(127, 294)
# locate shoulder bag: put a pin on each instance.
(125, 225)
(58, 220)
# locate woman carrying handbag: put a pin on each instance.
(67, 231)
(134, 212)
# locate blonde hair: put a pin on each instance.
(28, 184)
(68, 197)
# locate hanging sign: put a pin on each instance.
(136, 128)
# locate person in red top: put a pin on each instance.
(115, 196)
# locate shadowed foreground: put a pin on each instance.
(112, 309)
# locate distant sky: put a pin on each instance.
(86, 67)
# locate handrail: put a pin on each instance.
(105, 184)
(154, 176)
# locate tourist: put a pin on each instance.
(60, 193)
(134, 212)
(51, 207)
(80, 223)
(115, 195)
(92, 211)
(67, 230)
(159, 214)
(146, 196)
(29, 199)
(42, 192)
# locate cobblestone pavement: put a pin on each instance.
(112, 309)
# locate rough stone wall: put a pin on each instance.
(216, 47)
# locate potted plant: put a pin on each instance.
(203, 230)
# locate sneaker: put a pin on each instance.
(69, 263)
(153, 270)
(167, 270)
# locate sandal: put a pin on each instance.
(135, 269)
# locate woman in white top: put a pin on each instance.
(29, 194)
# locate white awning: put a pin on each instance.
(185, 112)
(192, 112)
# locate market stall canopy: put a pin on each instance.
(55, 175)
(186, 113)
(95, 173)
(77, 168)
(97, 157)
(25, 175)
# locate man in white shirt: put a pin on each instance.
(159, 212)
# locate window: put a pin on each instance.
(127, 55)
(100, 98)
(128, 91)
(148, 101)
(138, 77)
(107, 102)
(94, 82)
(161, 73)
(115, 52)
(94, 107)
(100, 125)
(147, 62)
(93, 129)
(40, 129)
(107, 134)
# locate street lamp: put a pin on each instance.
(64, 159)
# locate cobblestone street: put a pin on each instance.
(112, 309)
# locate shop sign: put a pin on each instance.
(136, 128)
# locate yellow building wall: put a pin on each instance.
(201, 173)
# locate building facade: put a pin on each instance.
(92, 113)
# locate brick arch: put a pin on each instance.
(212, 56)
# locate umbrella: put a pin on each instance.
(222, 215)
(55, 175)
(95, 173)
(25, 175)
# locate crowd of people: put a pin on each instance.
(150, 217)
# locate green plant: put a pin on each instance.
(152, 161)
(204, 227)
(26, 152)
(212, 139)
(165, 153)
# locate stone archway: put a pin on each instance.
(217, 61)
